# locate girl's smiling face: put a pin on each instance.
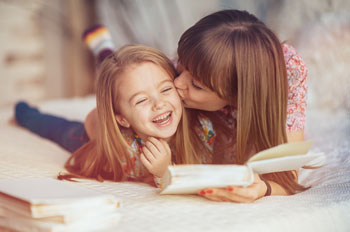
(148, 101)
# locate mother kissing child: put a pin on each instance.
(235, 72)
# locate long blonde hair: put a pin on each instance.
(238, 57)
(102, 158)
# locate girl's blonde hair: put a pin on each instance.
(102, 157)
(238, 57)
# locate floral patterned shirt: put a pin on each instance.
(297, 76)
(136, 169)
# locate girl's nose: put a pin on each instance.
(158, 104)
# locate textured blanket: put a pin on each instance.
(324, 207)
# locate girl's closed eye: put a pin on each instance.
(196, 86)
(140, 101)
(166, 89)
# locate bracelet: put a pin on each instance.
(268, 190)
(157, 181)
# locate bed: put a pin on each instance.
(324, 207)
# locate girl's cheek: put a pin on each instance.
(141, 111)
(178, 103)
(174, 98)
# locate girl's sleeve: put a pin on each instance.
(297, 94)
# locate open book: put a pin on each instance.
(189, 179)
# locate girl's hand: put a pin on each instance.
(156, 156)
(241, 194)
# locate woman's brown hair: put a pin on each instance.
(102, 157)
(235, 55)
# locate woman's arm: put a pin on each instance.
(297, 74)
(295, 136)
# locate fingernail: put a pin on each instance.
(230, 188)
(202, 192)
(209, 191)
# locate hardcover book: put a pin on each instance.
(44, 204)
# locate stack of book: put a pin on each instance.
(49, 205)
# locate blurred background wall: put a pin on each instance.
(42, 56)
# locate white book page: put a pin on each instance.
(49, 191)
(189, 179)
(287, 149)
(285, 163)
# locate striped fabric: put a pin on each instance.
(99, 40)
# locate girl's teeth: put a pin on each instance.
(162, 117)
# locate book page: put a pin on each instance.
(287, 149)
(189, 179)
(285, 163)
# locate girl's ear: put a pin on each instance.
(122, 121)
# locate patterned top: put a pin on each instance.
(136, 169)
(297, 77)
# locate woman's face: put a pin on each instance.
(195, 95)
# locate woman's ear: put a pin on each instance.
(122, 121)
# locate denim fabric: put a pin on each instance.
(70, 135)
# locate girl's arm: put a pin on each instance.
(91, 124)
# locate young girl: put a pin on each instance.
(139, 114)
(235, 67)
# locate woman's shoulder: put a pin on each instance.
(291, 56)
(295, 65)
(288, 51)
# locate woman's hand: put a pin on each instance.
(156, 156)
(238, 194)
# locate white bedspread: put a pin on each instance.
(324, 207)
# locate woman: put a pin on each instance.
(233, 65)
